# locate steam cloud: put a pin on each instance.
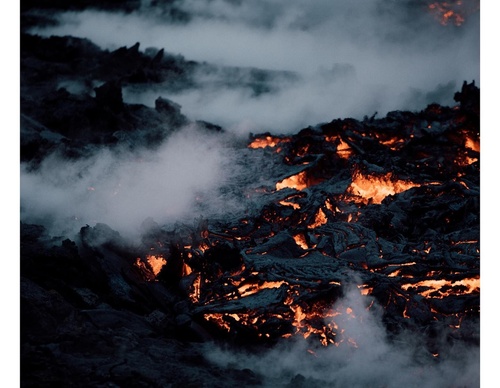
(122, 189)
(399, 56)
(375, 360)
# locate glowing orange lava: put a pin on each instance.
(394, 144)
(319, 219)
(268, 141)
(156, 263)
(253, 288)
(472, 144)
(374, 189)
(344, 150)
(297, 181)
(292, 204)
(300, 240)
(441, 288)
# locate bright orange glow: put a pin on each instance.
(186, 270)
(268, 141)
(376, 188)
(218, 318)
(203, 246)
(156, 263)
(194, 292)
(394, 144)
(465, 242)
(292, 204)
(253, 288)
(470, 285)
(300, 240)
(344, 150)
(302, 151)
(472, 144)
(140, 264)
(319, 219)
(448, 12)
(394, 274)
(464, 160)
(298, 182)
(364, 289)
(329, 205)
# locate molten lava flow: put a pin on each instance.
(268, 141)
(319, 219)
(394, 143)
(186, 269)
(343, 149)
(292, 204)
(374, 189)
(442, 288)
(219, 320)
(195, 289)
(297, 181)
(253, 288)
(300, 240)
(465, 160)
(302, 151)
(472, 144)
(156, 263)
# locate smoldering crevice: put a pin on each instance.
(371, 357)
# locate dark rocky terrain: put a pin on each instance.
(389, 204)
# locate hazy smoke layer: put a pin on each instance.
(366, 358)
(122, 189)
(397, 54)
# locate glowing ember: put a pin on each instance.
(373, 189)
(253, 288)
(300, 240)
(441, 288)
(268, 141)
(156, 263)
(343, 149)
(298, 182)
(453, 11)
(319, 219)
(472, 144)
(447, 12)
(302, 151)
(186, 270)
(364, 289)
(292, 204)
(394, 144)
(218, 319)
(464, 160)
(194, 291)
